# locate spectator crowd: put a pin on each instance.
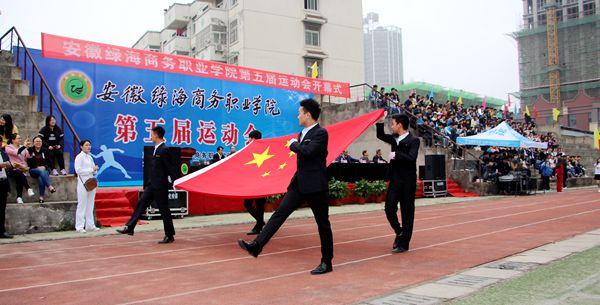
(441, 124)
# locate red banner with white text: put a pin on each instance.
(59, 47)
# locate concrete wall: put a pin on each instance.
(40, 217)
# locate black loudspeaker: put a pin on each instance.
(435, 167)
(422, 172)
(175, 153)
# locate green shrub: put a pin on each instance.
(274, 198)
(337, 189)
(362, 188)
(378, 187)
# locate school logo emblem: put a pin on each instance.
(75, 87)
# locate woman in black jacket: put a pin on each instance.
(53, 139)
(38, 166)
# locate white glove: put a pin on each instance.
(392, 155)
(291, 141)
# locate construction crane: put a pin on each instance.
(552, 41)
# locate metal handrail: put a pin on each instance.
(43, 84)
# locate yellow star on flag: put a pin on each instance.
(282, 166)
(266, 174)
(260, 158)
(291, 153)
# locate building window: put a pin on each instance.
(573, 12)
(589, 8)
(309, 62)
(559, 16)
(233, 37)
(234, 2)
(542, 19)
(572, 120)
(311, 5)
(312, 33)
(234, 60)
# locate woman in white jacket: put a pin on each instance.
(85, 169)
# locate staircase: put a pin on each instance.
(455, 190)
(114, 206)
(16, 101)
(26, 96)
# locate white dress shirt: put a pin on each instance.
(156, 147)
(402, 137)
(306, 130)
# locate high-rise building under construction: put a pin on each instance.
(559, 61)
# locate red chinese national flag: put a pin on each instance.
(265, 167)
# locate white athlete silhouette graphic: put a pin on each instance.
(109, 160)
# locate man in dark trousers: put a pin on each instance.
(162, 175)
(402, 173)
(257, 212)
(309, 184)
(4, 189)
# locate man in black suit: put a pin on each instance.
(257, 212)
(220, 155)
(402, 173)
(162, 175)
(4, 189)
(309, 184)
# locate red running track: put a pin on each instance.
(205, 266)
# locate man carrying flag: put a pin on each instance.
(402, 174)
(309, 184)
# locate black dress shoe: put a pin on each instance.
(322, 268)
(399, 249)
(167, 240)
(257, 228)
(5, 235)
(125, 230)
(254, 231)
(252, 247)
(397, 241)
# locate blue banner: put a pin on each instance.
(116, 107)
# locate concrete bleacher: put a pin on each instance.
(58, 211)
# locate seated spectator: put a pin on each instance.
(364, 158)
(378, 158)
(7, 128)
(381, 100)
(345, 158)
(53, 139)
(231, 150)
(38, 166)
(374, 95)
(219, 155)
(17, 155)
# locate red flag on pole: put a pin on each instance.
(266, 166)
(483, 104)
(535, 112)
(509, 100)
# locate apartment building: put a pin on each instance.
(285, 36)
